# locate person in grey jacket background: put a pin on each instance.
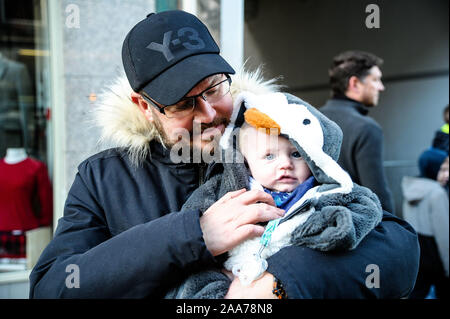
(425, 207)
(355, 79)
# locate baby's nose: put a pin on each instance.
(285, 163)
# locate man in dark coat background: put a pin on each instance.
(355, 79)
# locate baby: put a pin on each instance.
(273, 162)
(276, 167)
(290, 151)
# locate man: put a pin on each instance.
(123, 234)
(355, 79)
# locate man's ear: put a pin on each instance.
(353, 88)
(142, 104)
(353, 83)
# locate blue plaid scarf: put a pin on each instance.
(285, 200)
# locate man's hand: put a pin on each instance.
(258, 289)
(232, 219)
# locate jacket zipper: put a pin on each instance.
(299, 210)
(201, 178)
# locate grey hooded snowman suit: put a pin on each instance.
(334, 215)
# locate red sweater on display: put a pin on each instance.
(23, 187)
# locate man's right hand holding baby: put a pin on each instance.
(233, 218)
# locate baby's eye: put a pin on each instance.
(269, 157)
(296, 154)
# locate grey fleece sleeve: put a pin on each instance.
(234, 177)
(204, 196)
(340, 221)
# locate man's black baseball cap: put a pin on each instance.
(168, 53)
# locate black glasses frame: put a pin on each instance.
(161, 109)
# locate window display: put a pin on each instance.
(25, 188)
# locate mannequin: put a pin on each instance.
(17, 118)
(25, 200)
(15, 155)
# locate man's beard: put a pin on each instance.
(369, 100)
(193, 145)
(162, 133)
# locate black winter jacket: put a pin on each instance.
(123, 230)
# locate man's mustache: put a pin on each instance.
(199, 128)
(214, 123)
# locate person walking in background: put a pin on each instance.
(425, 207)
(440, 139)
(355, 79)
(442, 176)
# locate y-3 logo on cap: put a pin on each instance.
(194, 43)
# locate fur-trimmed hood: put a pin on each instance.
(123, 125)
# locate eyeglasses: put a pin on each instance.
(187, 104)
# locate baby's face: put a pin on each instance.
(274, 162)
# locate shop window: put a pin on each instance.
(25, 187)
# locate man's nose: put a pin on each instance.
(204, 112)
(381, 86)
